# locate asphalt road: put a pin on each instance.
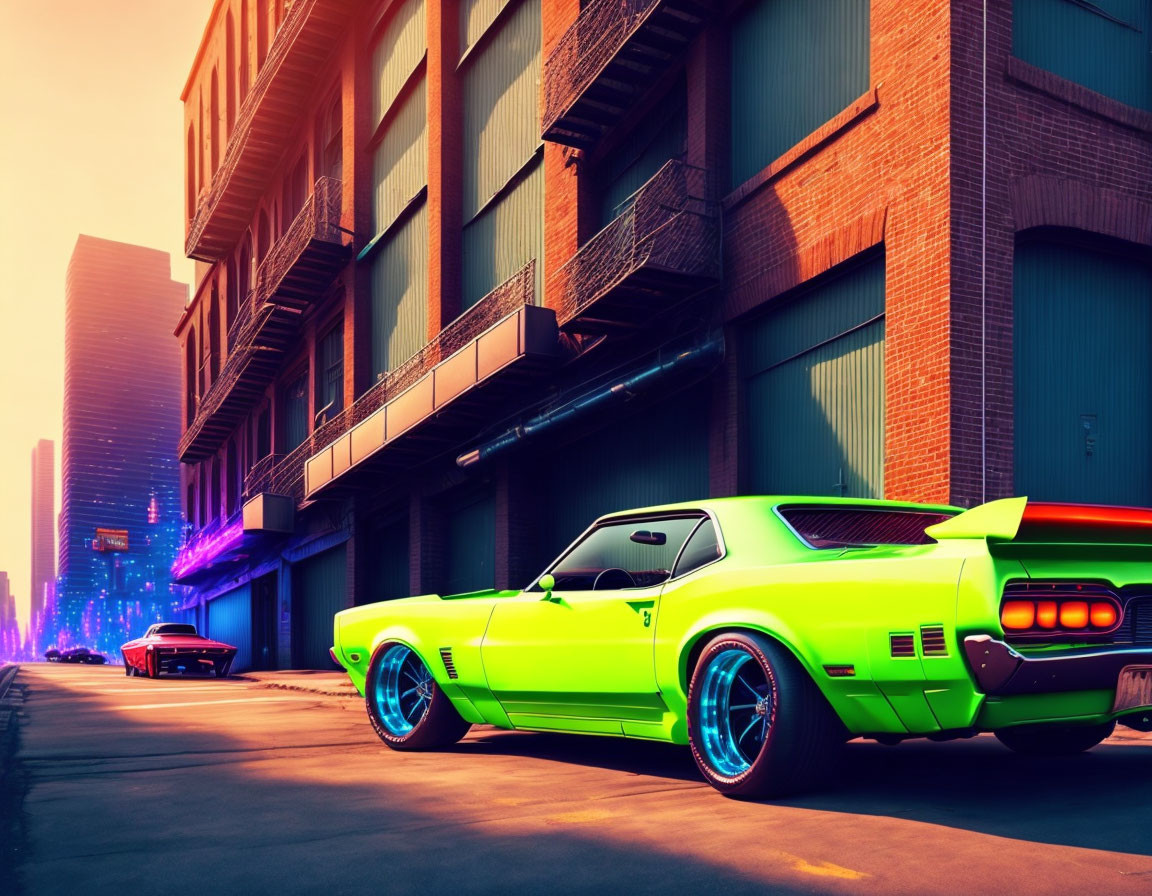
(125, 785)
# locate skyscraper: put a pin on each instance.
(43, 531)
(9, 632)
(120, 507)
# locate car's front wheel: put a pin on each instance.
(408, 709)
(757, 724)
(1053, 740)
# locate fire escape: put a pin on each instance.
(297, 270)
(608, 58)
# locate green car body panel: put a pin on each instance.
(618, 662)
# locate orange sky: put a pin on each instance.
(90, 105)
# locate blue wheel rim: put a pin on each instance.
(736, 710)
(402, 690)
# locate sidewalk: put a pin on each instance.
(330, 684)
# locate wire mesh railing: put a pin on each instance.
(283, 474)
(671, 224)
(583, 51)
(318, 219)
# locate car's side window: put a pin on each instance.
(632, 554)
(702, 548)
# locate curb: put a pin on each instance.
(299, 688)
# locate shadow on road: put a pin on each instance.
(262, 805)
(1096, 800)
(122, 806)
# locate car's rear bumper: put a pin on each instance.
(1000, 670)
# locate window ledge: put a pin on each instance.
(1051, 84)
(810, 145)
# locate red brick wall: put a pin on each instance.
(1057, 155)
(876, 172)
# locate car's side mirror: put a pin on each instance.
(547, 582)
(643, 536)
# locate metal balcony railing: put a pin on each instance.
(284, 474)
(611, 54)
(296, 271)
(310, 32)
(664, 243)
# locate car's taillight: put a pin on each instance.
(1059, 608)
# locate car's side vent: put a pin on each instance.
(932, 640)
(903, 645)
(449, 666)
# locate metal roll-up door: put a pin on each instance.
(652, 455)
(319, 592)
(229, 619)
(1082, 325)
(471, 543)
(386, 576)
(813, 372)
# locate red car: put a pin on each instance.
(175, 647)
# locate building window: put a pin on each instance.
(214, 506)
(190, 167)
(332, 130)
(190, 379)
(230, 73)
(794, 66)
(202, 493)
(214, 121)
(400, 294)
(244, 51)
(400, 175)
(261, 33)
(262, 432)
(190, 505)
(231, 478)
(503, 191)
(231, 291)
(657, 138)
(294, 412)
(214, 335)
(1104, 45)
(330, 364)
(295, 192)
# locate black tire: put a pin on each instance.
(431, 721)
(799, 734)
(1053, 740)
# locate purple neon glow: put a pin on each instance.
(206, 547)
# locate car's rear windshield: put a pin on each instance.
(175, 628)
(847, 526)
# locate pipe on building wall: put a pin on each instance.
(705, 354)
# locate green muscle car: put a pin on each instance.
(765, 631)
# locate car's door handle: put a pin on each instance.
(644, 604)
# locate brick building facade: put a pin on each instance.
(475, 271)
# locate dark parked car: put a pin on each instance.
(75, 655)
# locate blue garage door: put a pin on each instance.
(1083, 324)
(230, 621)
(814, 390)
(319, 592)
(471, 542)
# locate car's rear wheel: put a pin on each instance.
(757, 724)
(408, 709)
(1053, 740)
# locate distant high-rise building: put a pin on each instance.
(43, 530)
(120, 505)
(9, 632)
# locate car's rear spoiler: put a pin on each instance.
(1022, 521)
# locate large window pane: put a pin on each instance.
(794, 66)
